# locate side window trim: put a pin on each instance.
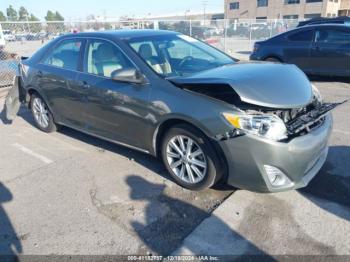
(85, 55)
(81, 55)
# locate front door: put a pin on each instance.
(331, 52)
(114, 110)
(297, 49)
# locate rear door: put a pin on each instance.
(114, 110)
(56, 77)
(330, 53)
(298, 47)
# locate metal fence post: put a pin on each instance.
(190, 27)
(271, 26)
(225, 34)
(250, 32)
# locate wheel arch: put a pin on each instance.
(274, 56)
(164, 126)
(32, 90)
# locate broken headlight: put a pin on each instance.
(267, 126)
(316, 93)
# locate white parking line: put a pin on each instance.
(341, 132)
(32, 153)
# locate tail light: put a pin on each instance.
(256, 47)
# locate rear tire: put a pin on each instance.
(193, 163)
(42, 116)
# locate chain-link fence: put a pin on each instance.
(236, 37)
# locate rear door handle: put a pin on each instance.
(84, 85)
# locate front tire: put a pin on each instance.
(190, 158)
(42, 116)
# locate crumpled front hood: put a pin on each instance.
(264, 84)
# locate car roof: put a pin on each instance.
(123, 33)
(325, 25)
(303, 28)
(320, 20)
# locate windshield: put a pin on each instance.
(178, 55)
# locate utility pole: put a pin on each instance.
(204, 3)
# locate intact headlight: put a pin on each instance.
(267, 126)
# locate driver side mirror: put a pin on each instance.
(129, 75)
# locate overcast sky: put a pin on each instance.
(79, 9)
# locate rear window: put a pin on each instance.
(65, 55)
(301, 36)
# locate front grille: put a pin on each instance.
(300, 121)
(304, 125)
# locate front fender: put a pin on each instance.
(212, 128)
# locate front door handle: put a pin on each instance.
(317, 48)
(39, 74)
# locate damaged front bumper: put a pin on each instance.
(300, 158)
(310, 120)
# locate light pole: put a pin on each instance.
(204, 10)
(186, 12)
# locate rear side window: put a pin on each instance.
(301, 36)
(65, 55)
(333, 36)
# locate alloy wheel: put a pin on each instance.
(186, 159)
(40, 112)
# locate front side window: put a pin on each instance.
(333, 36)
(149, 54)
(65, 55)
(103, 58)
(177, 55)
(301, 36)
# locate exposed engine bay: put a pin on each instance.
(298, 121)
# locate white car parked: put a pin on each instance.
(2, 39)
(9, 37)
